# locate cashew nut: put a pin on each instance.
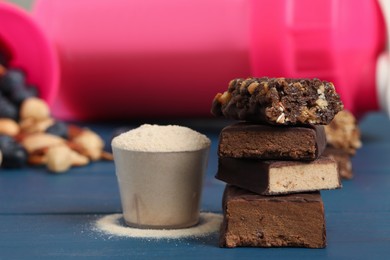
(30, 125)
(91, 143)
(34, 108)
(9, 127)
(59, 158)
(37, 141)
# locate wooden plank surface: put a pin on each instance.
(53, 215)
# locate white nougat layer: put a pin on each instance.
(304, 177)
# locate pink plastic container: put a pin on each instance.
(338, 41)
(145, 58)
(28, 48)
(151, 58)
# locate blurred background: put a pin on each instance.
(24, 3)
(131, 64)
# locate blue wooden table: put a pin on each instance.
(53, 215)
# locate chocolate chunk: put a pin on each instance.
(252, 220)
(248, 140)
(343, 160)
(343, 132)
(279, 101)
(279, 177)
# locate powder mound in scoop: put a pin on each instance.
(157, 138)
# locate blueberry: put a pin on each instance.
(15, 158)
(59, 129)
(7, 109)
(33, 90)
(5, 141)
(3, 59)
(18, 96)
(12, 80)
(14, 155)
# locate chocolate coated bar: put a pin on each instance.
(252, 220)
(279, 177)
(249, 140)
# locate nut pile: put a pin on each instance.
(29, 135)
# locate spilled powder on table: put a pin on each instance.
(113, 225)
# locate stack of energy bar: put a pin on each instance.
(272, 161)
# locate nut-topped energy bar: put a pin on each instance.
(343, 133)
(279, 101)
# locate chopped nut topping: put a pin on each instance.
(321, 90)
(224, 98)
(265, 86)
(252, 87)
(281, 107)
(322, 103)
(232, 82)
(298, 85)
(281, 119)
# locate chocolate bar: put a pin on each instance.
(279, 101)
(279, 177)
(252, 220)
(249, 140)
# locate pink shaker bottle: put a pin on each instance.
(28, 48)
(126, 59)
(145, 58)
(338, 41)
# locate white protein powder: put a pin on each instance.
(157, 138)
(111, 224)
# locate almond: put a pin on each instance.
(38, 141)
